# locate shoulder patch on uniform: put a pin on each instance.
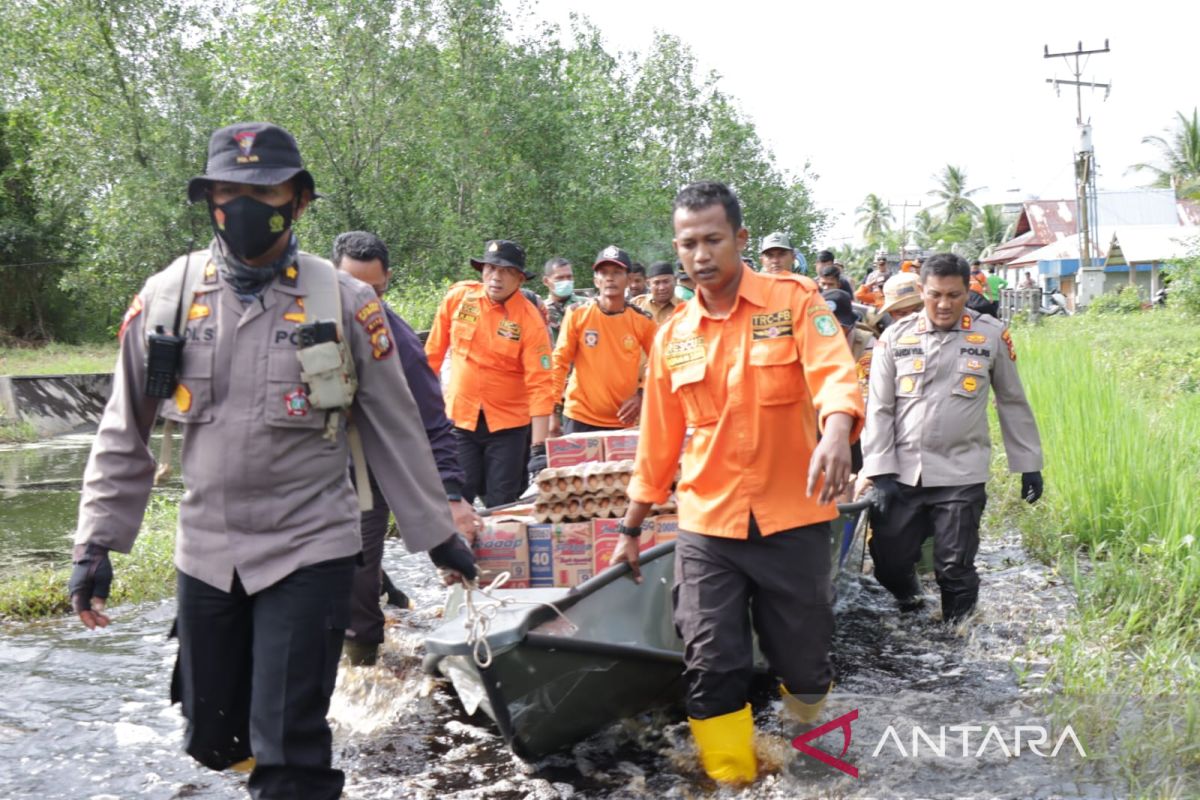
(381, 343)
(134, 309)
(370, 317)
(210, 273)
(825, 324)
(1006, 337)
(773, 325)
(290, 275)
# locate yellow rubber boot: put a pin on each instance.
(726, 745)
(806, 713)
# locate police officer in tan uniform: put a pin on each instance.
(926, 443)
(269, 523)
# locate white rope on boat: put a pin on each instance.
(479, 616)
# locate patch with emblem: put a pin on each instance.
(210, 272)
(134, 309)
(372, 307)
(294, 316)
(290, 275)
(969, 383)
(468, 312)
(509, 330)
(629, 342)
(245, 143)
(908, 384)
(295, 402)
(825, 324)
(381, 344)
(545, 362)
(493, 247)
(974, 364)
(591, 337)
(183, 398)
(922, 325)
(681, 352)
(918, 365)
(774, 325)
(1008, 342)
(198, 311)
(976, 338)
(275, 223)
(966, 323)
(909, 340)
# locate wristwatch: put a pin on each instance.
(633, 532)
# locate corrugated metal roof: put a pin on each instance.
(1146, 244)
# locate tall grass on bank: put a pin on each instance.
(147, 573)
(59, 359)
(1123, 478)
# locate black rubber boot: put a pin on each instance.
(956, 607)
(360, 654)
(395, 597)
(908, 592)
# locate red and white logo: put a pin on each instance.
(245, 141)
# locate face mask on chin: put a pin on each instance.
(563, 289)
(250, 227)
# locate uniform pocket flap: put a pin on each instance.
(320, 358)
(685, 376)
(910, 366)
(773, 352)
(973, 365)
(197, 362)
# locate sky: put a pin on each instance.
(880, 96)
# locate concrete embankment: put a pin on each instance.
(54, 404)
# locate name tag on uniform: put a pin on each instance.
(775, 325)
(509, 330)
(681, 352)
(468, 312)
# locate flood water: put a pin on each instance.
(85, 714)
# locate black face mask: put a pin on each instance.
(248, 226)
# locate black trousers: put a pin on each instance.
(366, 615)
(951, 515)
(255, 674)
(495, 462)
(779, 584)
(575, 426)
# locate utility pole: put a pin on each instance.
(905, 206)
(1085, 157)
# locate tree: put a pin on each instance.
(953, 194)
(876, 218)
(990, 229)
(1181, 156)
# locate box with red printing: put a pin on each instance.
(620, 445)
(666, 528)
(577, 448)
(503, 546)
(605, 538)
(572, 553)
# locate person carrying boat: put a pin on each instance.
(604, 341)
(364, 256)
(926, 445)
(501, 391)
(268, 527)
(750, 365)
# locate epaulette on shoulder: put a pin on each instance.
(986, 320)
(641, 311)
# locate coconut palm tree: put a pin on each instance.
(876, 218)
(1182, 157)
(990, 229)
(953, 194)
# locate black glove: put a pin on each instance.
(1031, 486)
(454, 554)
(92, 576)
(537, 460)
(884, 492)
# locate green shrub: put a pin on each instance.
(1126, 301)
(1184, 280)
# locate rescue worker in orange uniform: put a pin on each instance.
(749, 366)
(501, 385)
(604, 341)
(871, 291)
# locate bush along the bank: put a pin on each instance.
(147, 573)
(1121, 432)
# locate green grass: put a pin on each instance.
(1117, 403)
(58, 359)
(18, 432)
(147, 573)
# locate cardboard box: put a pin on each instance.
(666, 528)
(572, 554)
(605, 538)
(541, 554)
(577, 448)
(503, 546)
(620, 445)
